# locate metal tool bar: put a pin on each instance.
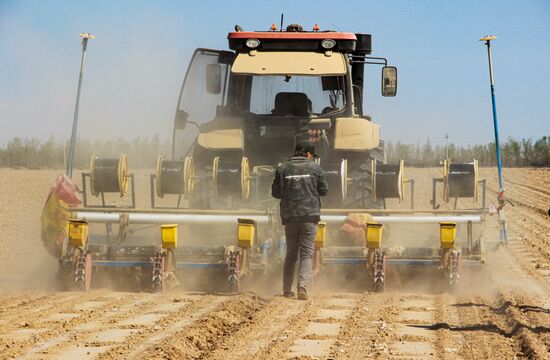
(266, 212)
(169, 211)
(401, 211)
(407, 219)
(161, 218)
(155, 218)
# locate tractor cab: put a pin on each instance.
(273, 89)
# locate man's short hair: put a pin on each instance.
(304, 147)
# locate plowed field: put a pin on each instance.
(502, 313)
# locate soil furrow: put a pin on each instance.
(285, 336)
(368, 332)
(319, 337)
(200, 333)
(46, 329)
(122, 317)
(448, 342)
(9, 302)
(530, 187)
(483, 331)
(265, 328)
(529, 323)
(137, 343)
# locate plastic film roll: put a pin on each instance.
(175, 176)
(388, 180)
(109, 175)
(231, 177)
(462, 180)
(337, 178)
(169, 177)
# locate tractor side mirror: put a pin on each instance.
(389, 81)
(181, 119)
(213, 78)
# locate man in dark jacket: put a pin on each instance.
(299, 183)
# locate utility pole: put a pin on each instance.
(502, 222)
(85, 37)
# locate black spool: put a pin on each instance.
(170, 177)
(337, 178)
(333, 179)
(109, 175)
(388, 181)
(227, 177)
(462, 180)
(231, 177)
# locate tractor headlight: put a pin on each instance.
(328, 44)
(252, 43)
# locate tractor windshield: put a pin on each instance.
(301, 96)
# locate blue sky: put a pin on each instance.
(135, 66)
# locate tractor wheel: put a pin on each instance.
(359, 194)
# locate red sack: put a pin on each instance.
(66, 190)
(55, 214)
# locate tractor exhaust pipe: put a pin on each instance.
(363, 47)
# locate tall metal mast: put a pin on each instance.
(85, 37)
(503, 235)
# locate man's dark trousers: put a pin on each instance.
(300, 238)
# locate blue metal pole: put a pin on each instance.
(70, 158)
(497, 142)
(495, 118)
(500, 197)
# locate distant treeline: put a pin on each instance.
(143, 152)
(527, 152)
(36, 154)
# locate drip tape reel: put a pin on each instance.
(338, 178)
(461, 180)
(175, 176)
(229, 177)
(109, 175)
(387, 180)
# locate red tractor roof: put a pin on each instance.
(293, 40)
(291, 35)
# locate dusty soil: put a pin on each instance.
(503, 313)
